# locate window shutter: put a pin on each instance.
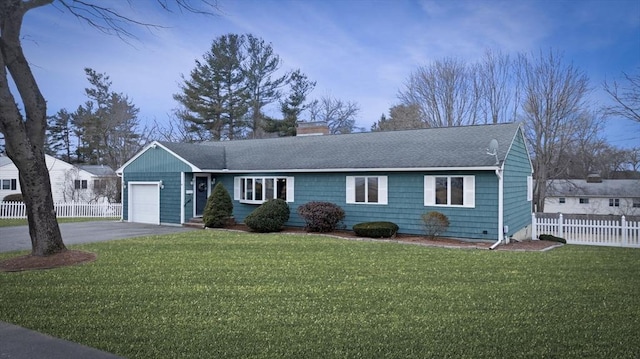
(529, 188)
(236, 188)
(382, 190)
(351, 189)
(290, 189)
(13, 184)
(429, 190)
(469, 192)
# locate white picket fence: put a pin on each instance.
(71, 209)
(618, 233)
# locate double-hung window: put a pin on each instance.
(367, 189)
(453, 191)
(261, 189)
(80, 184)
(10, 184)
(614, 202)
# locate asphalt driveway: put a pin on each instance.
(17, 238)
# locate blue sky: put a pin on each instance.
(356, 50)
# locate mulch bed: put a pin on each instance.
(73, 257)
(527, 245)
(31, 262)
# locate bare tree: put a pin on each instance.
(339, 115)
(446, 92)
(24, 130)
(626, 97)
(587, 151)
(496, 79)
(554, 100)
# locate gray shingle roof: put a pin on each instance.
(99, 170)
(4, 160)
(608, 188)
(458, 147)
(209, 157)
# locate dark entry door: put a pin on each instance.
(201, 195)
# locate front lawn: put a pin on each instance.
(12, 222)
(214, 294)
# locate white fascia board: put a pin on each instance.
(153, 145)
(328, 170)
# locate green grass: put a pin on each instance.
(237, 295)
(12, 222)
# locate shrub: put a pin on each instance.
(549, 237)
(16, 197)
(321, 216)
(269, 217)
(435, 223)
(376, 229)
(219, 208)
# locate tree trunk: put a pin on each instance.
(44, 231)
(25, 134)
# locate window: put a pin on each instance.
(584, 200)
(260, 189)
(614, 202)
(636, 203)
(367, 189)
(458, 191)
(99, 184)
(9, 184)
(80, 184)
(562, 200)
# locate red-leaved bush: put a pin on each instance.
(321, 216)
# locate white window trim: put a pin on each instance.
(468, 195)
(529, 188)
(237, 188)
(383, 190)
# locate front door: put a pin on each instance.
(201, 190)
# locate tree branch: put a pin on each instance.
(111, 22)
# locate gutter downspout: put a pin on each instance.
(182, 197)
(122, 186)
(500, 208)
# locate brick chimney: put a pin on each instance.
(315, 128)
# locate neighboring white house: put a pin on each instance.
(594, 196)
(68, 182)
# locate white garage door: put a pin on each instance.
(144, 203)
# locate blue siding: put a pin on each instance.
(156, 160)
(517, 210)
(169, 195)
(156, 164)
(405, 202)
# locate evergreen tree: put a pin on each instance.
(292, 106)
(219, 207)
(215, 96)
(107, 125)
(259, 71)
(60, 132)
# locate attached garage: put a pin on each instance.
(144, 202)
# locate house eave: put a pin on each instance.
(371, 169)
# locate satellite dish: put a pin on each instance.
(493, 150)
